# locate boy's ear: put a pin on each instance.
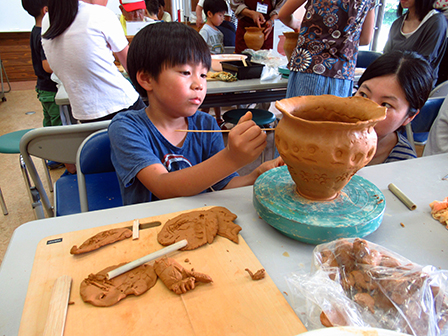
(145, 80)
(209, 14)
(44, 10)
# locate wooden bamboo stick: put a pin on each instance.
(402, 197)
(215, 131)
(57, 312)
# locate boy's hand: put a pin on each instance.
(246, 141)
(264, 167)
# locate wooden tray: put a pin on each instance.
(232, 304)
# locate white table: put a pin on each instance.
(221, 93)
(422, 239)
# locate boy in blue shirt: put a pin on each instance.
(46, 89)
(154, 156)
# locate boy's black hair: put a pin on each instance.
(165, 44)
(152, 6)
(215, 6)
(34, 7)
(413, 71)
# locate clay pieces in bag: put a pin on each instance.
(199, 228)
(101, 292)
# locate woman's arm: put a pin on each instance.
(367, 28)
(286, 13)
(123, 57)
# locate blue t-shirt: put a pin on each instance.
(136, 143)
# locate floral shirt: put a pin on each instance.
(329, 37)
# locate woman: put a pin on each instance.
(324, 59)
(79, 45)
(255, 13)
(421, 29)
(400, 81)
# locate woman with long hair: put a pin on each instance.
(79, 40)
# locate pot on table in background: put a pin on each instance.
(324, 140)
(254, 38)
(290, 43)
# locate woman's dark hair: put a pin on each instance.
(422, 7)
(165, 44)
(34, 7)
(61, 13)
(215, 6)
(152, 6)
(413, 72)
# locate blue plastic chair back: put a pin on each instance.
(366, 57)
(423, 121)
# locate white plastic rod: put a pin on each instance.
(143, 260)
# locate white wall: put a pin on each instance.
(13, 18)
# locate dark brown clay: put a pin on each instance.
(324, 140)
(290, 43)
(254, 38)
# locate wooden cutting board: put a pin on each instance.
(233, 304)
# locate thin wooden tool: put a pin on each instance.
(402, 197)
(135, 229)
(217, 131)
(143, 260)
(244, 62)
(57, 312)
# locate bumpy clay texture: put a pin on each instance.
(101, 239)
(324, 140)
(254, 38)
(290, 43)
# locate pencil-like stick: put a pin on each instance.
(214, 131)
(402, 197)
(143, 260)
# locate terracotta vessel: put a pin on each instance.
(290, 43)
(254, 38)
(324, 140)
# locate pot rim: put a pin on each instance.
(285, 105)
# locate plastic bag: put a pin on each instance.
(354, 282)
(271, 59)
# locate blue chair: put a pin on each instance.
(97, 181)
(418, 129)
(56, 143)
(366, 57)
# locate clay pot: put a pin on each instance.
(254, 38)
(324, 140)
(290, 43)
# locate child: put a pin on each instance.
(46, 89)
(215, 11)
(402, 82)
(152, 158)
(324, 59)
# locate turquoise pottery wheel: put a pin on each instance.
(356, 212)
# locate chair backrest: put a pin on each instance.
(56, 143)
(440, 90)
(93, 158)
(366, 57)
(423, 121)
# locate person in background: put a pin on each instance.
(215, 11)
(79, 45)
(255, 13)
(46, 89)
(324, 59)
(152, 158)
(438, 135)
(162, 15)
(132, 10)
(400, 81)
(152, 10)
(421, 29)
(227, 27)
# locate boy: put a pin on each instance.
(46, 89)
(152, 158)
(215, 11)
